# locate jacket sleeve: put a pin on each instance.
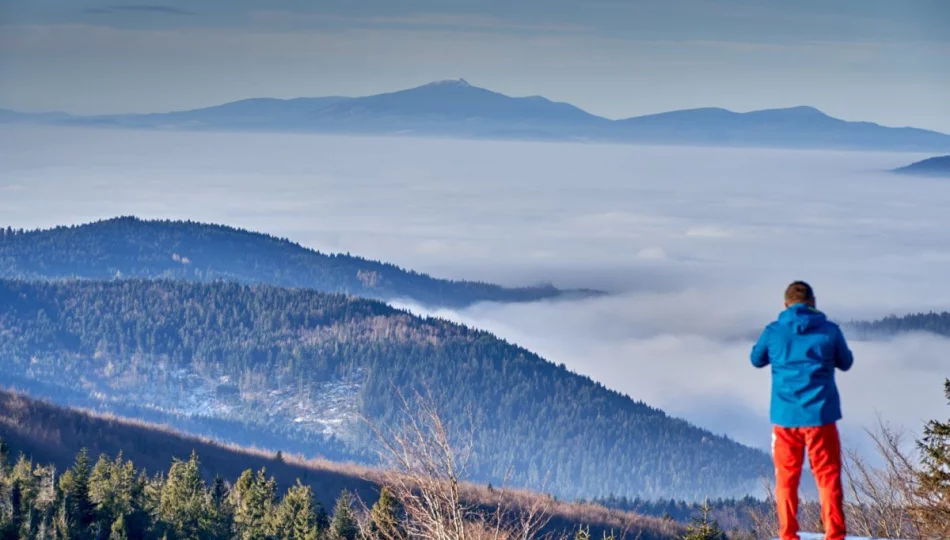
(843, 357)
(760, 352)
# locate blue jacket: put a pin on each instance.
(804, 348)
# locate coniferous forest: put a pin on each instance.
(935, 323)
(133, 248)
(535, 423)
(136, 480)
(110, 498)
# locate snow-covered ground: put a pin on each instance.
(818, 536)
(329, 407)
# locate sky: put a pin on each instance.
(876, 60)
(695, 245)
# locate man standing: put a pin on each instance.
(804, 349)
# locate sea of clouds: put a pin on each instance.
(695, 245)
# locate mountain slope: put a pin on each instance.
(133, 248)
(458, 109)
(935, 166)
(255, 113)
(52, 435)
(301, 364)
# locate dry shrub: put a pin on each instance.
(882, 501)
(424, 465)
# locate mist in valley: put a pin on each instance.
(694, 245)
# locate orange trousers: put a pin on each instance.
(824, 456)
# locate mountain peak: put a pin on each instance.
(801, 110)
(459, 83)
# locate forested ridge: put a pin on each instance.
(936, 323)
(128, 247)
(135, 480)
(551, 427)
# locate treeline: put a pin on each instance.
(732, 514)
(53, 436)
(936, 323)
(113, 500)
(128, 247)
(535, 423)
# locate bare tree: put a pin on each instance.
(883, 497)
(424, 467)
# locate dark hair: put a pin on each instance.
(799, 292)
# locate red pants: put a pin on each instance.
(824, 456)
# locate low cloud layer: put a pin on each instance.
(695, 244)
(685, 353)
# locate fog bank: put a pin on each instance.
(696, 244)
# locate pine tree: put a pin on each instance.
(344, 526)
(322, 518)
(112, 487)
(182, 504)
(704, 527)
(16, 508)
(74, 485)
(64, 528)
(24, 488)
(253, 498)
(4, 454)
(934, 478)
(119, 530)
(220, 513)
(152, 502)
(295, 518)
(384, 517)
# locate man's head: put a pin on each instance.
(799, 292)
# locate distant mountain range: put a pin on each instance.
(129, 247)
(935, 166)
(457, 109)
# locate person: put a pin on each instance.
(804, 349)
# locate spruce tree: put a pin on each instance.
(295, 518)
(24, 489)
(220, 513)
(253, 498)
(16, 509)
(934, 477)
(182, 504)
(74, 485)
(704, 527)
(323, 519)
(384, 517)
(344, 526)
(4, 455)
(119, 530)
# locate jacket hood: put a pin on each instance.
(802, 318)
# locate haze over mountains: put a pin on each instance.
(455, 108)
(132, 248)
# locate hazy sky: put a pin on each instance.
(884, 61)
